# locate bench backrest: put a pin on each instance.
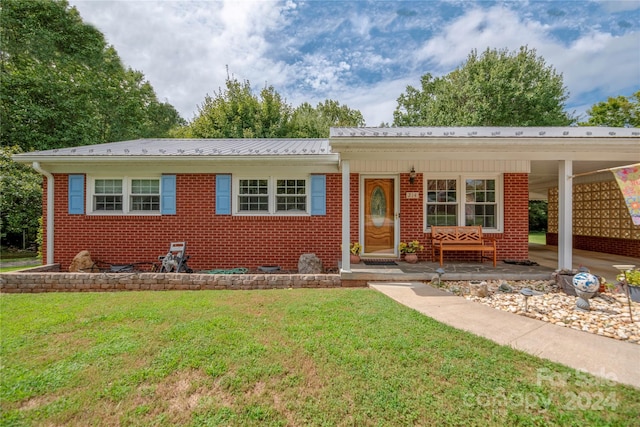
(457, 234)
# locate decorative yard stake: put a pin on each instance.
(440, 272)
(625, 284)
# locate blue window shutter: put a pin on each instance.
(168, 196)
(223, 194)
(76, 194)
(318, 195)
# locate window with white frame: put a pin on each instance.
(125, 195)
(253, 195)
(272, 196)
(291, 195)
(145, 195)
(108, 195)
(463, 200)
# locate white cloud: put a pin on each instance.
(601, 62)
(597, 61)
(498, 27)
(619, 5)
(183, 48)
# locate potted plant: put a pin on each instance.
(355, 249)
(410, 250)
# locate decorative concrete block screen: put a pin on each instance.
(601, 220)
(598, 210)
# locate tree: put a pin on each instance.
(63, 86)
(538, 215)
(310, 122)
(496, 88)
(21, 201)
(620, 111)
(235, 112)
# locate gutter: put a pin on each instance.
(36, 166)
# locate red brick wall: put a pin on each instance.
(354, 201)
(226, 241)
(411, 217)
(213, 241)
(512, 243)
(608, 245)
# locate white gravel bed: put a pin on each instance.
(608, 315)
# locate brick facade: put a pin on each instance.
(228, 241)
(513, 243)
(607, 245)
(213, 241)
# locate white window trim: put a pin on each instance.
(126, 196)
(460, 195)
(272, 184)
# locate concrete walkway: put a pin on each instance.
(601, 356)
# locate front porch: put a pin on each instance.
(600, 264)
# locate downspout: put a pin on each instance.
(36, 166)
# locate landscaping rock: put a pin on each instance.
(478, 289)
(309, 264)
(608, 316)
(82, 263)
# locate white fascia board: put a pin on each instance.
(488, 148)
(403, 144)
(184, 164)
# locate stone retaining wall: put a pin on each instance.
(107, 282)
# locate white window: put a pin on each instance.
(463, 200)
(145, 195)
(124, 195)
(107, 195)
(271, 196)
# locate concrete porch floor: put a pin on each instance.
(600, 264)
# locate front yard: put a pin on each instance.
(277, 357)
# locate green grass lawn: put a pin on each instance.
(539, 237)
(25, 258)
(279, 357)
(20, 267)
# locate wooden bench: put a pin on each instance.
(458, 238)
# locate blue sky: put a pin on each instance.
(363, 53)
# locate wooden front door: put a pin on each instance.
(379, 216)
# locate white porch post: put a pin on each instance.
(565, 215)
(346, 216)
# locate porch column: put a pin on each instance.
(565, 215)
(346, 216)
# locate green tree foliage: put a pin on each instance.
(621, 111)
(496, 88)
(236, 112)
(63, 86)
(310, 122)
(538, 215)
(21, 201)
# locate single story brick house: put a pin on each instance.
(255, 202)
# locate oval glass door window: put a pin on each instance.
(378, 206)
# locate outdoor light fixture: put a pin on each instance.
(412, 175)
